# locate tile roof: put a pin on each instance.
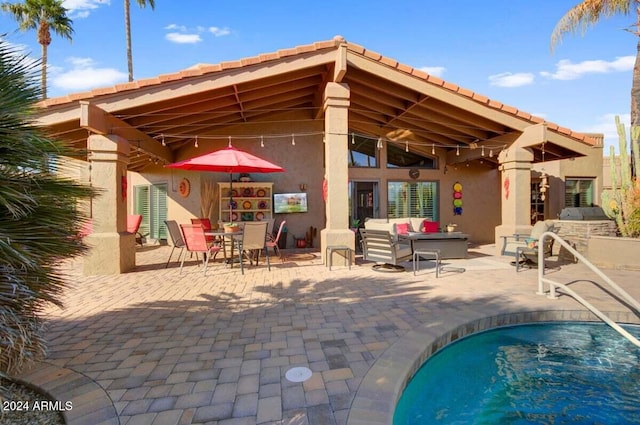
(203, 69)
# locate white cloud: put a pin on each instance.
(509, 79)
(84, 75)
(567, 70)
(436, 71)
(219, 32)
(182, 35)
(606, 124)
(79, 9)
(175, 27)
(180, 38)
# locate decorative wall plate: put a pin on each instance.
(233, 205)
(262, 205)
(248, 191)
(261, 193)
(259, 216)
(457, 187)
(246, 205)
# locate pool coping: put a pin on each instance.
(382, 386)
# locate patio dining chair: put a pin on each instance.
(176, 238)
(196, 242)
(206, 224)
(133, 226)
(273, 242)
(254, 240)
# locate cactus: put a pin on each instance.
(310, 235)
(622, 201)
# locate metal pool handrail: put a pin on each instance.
(553, 285)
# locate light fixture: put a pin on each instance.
(406, 146)
(293, 140)
(196, 142)
(353, 139)
(379, 145)
(163, 142)
(229, 141)
(482, 153)
(262, 141)
(457, 150)
(433, 149)
(490, 153)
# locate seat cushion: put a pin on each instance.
(539, 228)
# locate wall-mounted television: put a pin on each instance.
(284, 203)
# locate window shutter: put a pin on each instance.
(141, 206)
(158, 229)
(413, 200)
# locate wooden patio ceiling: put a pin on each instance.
(160, 119)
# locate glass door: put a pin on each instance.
(363, 202)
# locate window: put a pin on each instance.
(151, 202)
(362, 152)
(413, 199)
(398, 158)
(578, 192)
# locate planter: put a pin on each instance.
(231, 229)
(451, 228)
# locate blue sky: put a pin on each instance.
(498, 48)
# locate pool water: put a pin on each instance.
(551, 373)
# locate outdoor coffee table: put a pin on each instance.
(450, 244)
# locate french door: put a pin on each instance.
(151, 202)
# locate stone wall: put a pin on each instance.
(578, 232)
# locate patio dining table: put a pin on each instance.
(236, 240)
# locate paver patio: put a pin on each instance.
(155, 347)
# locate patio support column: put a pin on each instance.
(112, 247)
(515, 185)
(336, 129)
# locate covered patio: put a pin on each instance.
(303, 108)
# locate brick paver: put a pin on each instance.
(155, 347)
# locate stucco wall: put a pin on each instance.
(303, 163)
(480, 190)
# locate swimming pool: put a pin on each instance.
(535, 373)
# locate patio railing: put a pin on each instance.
(553, 285)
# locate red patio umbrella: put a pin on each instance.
(228, 160)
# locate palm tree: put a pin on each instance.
(588, 13)
(43, 16)
(127, 27)
(39, 220)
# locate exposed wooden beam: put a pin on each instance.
(98, 121)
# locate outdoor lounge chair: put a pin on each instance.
(380, 246)
(525, 247)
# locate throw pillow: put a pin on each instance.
(402, 228)
(531, 243)
(430, 226)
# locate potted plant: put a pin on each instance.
(451, 227)
(231, 227)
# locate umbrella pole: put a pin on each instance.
(230, 197)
